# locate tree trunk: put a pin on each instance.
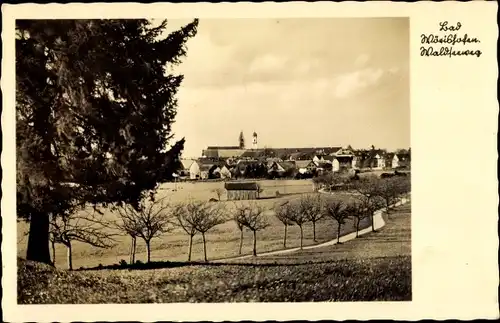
(357, 227)
(314, 231)
(190, 246)
(372, 220)
(70, 256)
(254, 243)
(38, 240)
(148, 247)
(338, 233)
(53, 252)
(204, 246)
(301, 236)
(132, 250)
(241, 241)
(284, 238)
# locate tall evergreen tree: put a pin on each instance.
(94, 109)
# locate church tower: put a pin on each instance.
(254, 141)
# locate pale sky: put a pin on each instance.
(296, 82)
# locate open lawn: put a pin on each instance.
(222, 242)
(376, 267)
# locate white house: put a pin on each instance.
(186, 165)
(200, 169)
(225, 172)
(380, 161)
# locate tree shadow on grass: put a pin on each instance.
(176, 264)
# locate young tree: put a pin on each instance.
(355, 210)
(368, 188)
(312, 207)
(253, 218)
(187, 216)
(370, 206)
(284, 213)
(210, 215)
(150, 221)
(389, 191)
(298, 217)
(336, 210)
(94, 107)
(82, 227)
(239, 218)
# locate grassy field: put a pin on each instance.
(222, 242)
(376, 267)
(392, 240)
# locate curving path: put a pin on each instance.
(378, 222)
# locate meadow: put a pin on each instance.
(222, 242)
(374, 267)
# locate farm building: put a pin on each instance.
(242, 190)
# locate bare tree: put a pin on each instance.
(187, 216)
(369, 205)
(356, 211)
(388, 190)
(312, 206)
(283, 213)
(239, 219)
(252, 217)
(131, 226)
(368, 188)
(210, 215)
(298, 217)
(337, 211)
(82, 227)
(149, 221)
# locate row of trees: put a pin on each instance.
(156, 217)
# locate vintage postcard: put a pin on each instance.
(292, 161)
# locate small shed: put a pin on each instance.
(242, 190)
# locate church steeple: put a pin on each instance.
(241, 141)
(254, 141)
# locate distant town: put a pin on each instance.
(226, 162)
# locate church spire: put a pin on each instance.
(241, 141)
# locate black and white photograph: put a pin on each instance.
(241, 160)
(163, 159)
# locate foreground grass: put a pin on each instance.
(375, 267)
(376, 279)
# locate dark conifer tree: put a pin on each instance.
(94, 109)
